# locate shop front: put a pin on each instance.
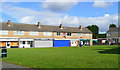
(26, 43)
(95, 41)
(86, 42)
(9, 42)
(61, 42)
(74, 42)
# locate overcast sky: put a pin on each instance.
(67, 13)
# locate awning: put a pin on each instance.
(95, 40)
(84, 39)
(43, 39)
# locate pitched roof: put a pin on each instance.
(117, 29)
(33, 27)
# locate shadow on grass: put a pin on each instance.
(111, 51)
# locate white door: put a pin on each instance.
(22, 44)
(30, 44)
(73, 43)
(43, 43)
(7, 44)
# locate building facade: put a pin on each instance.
(102, 41)
(20, 35)
(113, 35)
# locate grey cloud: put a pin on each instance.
(101, 3)
(58, 6)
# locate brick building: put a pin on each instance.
(21, 35)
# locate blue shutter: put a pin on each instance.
(61, 43)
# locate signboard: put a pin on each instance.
(43, 38)
(8, 39)
(65, 39)
(26, 39)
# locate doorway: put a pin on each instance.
(30, 43)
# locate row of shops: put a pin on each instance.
(15, 42)
(100, 41)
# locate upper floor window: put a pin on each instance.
(47, 33)
(33, 33)
(58, 33)
(78, 34)
(3, 32)
(69, 34)
(18, 32)
(109, 34)
(87, 35)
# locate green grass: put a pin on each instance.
(70, 57)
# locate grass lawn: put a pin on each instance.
(101, 56)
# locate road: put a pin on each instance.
(9, 65)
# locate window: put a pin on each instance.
(33, 33)
(68, 34)
(23, 42)
(29, 42)
(78, 34)
(103, 41)
(18, 32)
(109, 34)
(87, 35)
(47, 33)
(3, 32)
(58, 33)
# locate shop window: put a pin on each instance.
(58, 33)
(29, 42)
(23, 42)
(68, 34)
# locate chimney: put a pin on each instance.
(38, 25)
(61, 26)
(80, 27)
(9, 22)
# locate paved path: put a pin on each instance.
(9, 65)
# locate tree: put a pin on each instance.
(101, 36)
(112, 26)
(94, 29)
